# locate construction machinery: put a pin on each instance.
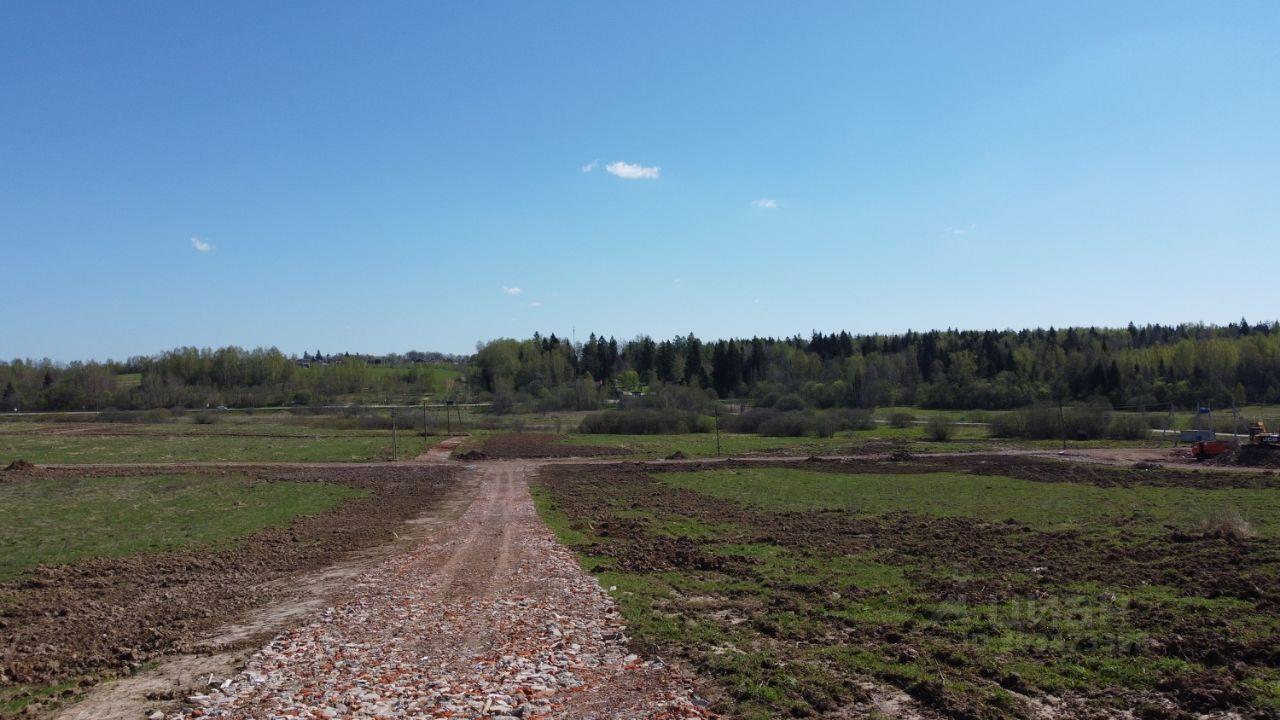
(1205, 449)
(1258, 435)
(1208, 447)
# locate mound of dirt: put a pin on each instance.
(20, 465)
(471, 455)
(677, 455)
(1251, 456)
(541, 445)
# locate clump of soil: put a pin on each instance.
(112, 614)
(541, 445)
(1251, 456)
(20, 465)
(677, 455)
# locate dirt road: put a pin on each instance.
(489, 617)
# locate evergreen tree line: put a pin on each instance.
(1148, 366)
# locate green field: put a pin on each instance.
(994, 499)
(966, 438)
(789, 587)
(192, 444)
(49, 521)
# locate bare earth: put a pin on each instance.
(489, 617)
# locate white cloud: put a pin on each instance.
(627, 171)
(964, 230)
(766, 203)
(591, 166)
(511, 290)
(200, 245)
(536, 303)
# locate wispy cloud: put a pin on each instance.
(536, 303)
(200, 245)
(963, 229)
(591, 166)
(511, 290)
(627, 171)
(766, 203)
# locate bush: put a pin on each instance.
(204, 418)
(790, 424)
(803, 423)
(939, 429)
(645, 422)
(789, 403)
(158, 415)
(851, 419)
(1128, 426)
(902, 420)
(750, 421)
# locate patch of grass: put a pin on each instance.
(15, 698)
(50, 521)
(1044, 506)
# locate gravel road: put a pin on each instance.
(489, 617)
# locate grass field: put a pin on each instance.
(234, 437)
(993, 499)
(192, 444)
(966, 438)
(977, 592)
(50, 521)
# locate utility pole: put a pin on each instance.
(1235, 424)
(393, 435)
(1062, 423)
(717, 431)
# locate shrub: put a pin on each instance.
(750, 421)
(902, 420)
(789, 403)
(939, 429)
(645, 422)
(790, 424)
(157, 415)
(851, 419)
(1087, 422)
(204, 418)
(1127, 426)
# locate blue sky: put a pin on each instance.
(384, 176)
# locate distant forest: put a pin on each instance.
(1139, 366)
(1146, 366)
(198, 378)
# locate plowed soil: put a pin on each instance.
(540, 445)
(104, 615)
(957, 560)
